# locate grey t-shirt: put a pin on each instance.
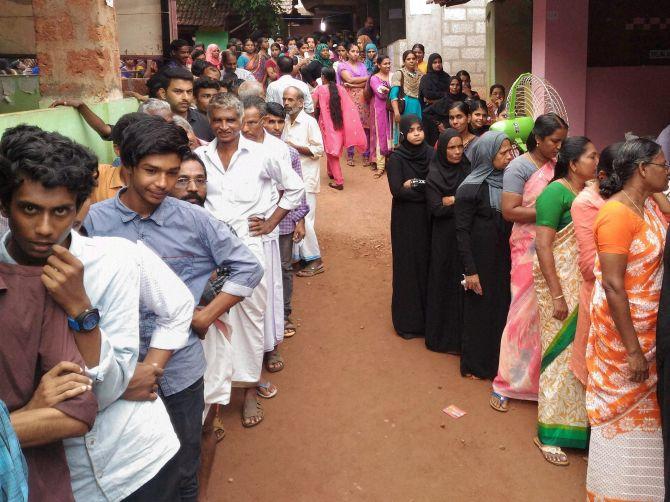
(517, 173)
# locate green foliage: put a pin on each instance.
(248, 15)
(264, 15)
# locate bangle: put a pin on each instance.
(558, 297)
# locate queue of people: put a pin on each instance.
(156, 286)
(544, 273)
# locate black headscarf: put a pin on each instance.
(434, 85)
(416, 157)
(444, 176)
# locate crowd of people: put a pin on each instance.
(137, 296)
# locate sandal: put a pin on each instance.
(334, 185)
(310, 271)
(274, 362)
(251, 410)
(219, 431)
(271, 389)
(499, 403)
(289, 329)
(552, 454)
(379, 173)
(350, 161)
(373, 166)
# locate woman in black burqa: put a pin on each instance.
(407, 168)
(483, 243)
(444, 302)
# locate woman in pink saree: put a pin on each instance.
(339, 123)
(525, 178)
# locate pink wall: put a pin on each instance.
(622, 99)
(560, 37)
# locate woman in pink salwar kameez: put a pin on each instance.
(525, 178)
(339, 130)
(380, 128)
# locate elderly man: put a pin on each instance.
(250, 88)
(302, 133)
(229, 61)
(275, 92)
(242, 176)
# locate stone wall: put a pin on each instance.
(457, 33)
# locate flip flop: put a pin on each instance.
(310, 272)
(267, 386)
(251, 410)
(275, 359)
(552, 454)
(219, 431)
(334, 185)
(289, 329)
(499, 402)
(350, 162)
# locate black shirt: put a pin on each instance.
(200, 125)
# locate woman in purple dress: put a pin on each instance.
(380, 130)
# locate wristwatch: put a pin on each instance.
(86, 321)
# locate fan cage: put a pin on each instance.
(532, 96)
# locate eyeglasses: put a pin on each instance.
(183, 181)
(665, 166)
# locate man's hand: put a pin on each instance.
(259, 226)
(198, 325)
(63, 277)
(299, 232)
(62, 382)
(144, 384)
(74, 103)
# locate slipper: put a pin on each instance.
(373, 166)
(499, 403)
(552, 454)
(266, 386)
(275, 360)
(379, 173)
(289, 329)
(251, 410)
(310, 271)
(219, 431)
(334, 185)
(350, 162)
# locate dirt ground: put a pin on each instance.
(359, 410)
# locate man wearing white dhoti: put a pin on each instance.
(241, 180)
(302, 133)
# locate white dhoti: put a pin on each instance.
(308, 248)
(247, 323)
(274, 311)
(219, 358)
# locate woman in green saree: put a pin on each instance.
(562, 420)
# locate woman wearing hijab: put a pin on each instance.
(482, 236)
(370, 57)
(312, 72)
(213, 55)
(407, 168)
(444, 301)
(435, 84)
(436, 115)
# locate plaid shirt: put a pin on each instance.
(287, 225)
(13, 468)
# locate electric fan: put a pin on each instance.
(529, 97)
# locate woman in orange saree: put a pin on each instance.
(626, 446)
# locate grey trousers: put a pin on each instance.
(286, 254)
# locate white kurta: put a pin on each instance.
(248, 187)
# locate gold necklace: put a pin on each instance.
(569, 186)
(537, 166)
(633, 202)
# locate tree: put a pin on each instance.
(232, 15)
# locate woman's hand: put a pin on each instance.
(448, 200)
(396, 118)
(407, 184)
(472, 283)
(560, 309)
(441, 128)
(639, 368)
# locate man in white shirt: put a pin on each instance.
(275, 92)
(241, 178)
(132, 439)
(230, 66)
(302, 133)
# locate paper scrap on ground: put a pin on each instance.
(454, 411)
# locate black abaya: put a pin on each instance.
(410, 236)
(483, 243)
(444, 299)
